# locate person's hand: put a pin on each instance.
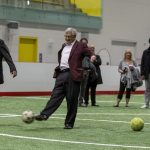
(131, 68)
(142, 77)
(93, 58)
(14, 73)
(125, 70)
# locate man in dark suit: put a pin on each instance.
(145, 75)
(4, 53)
(69, 76)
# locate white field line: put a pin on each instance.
(8, 115)
(18, 97)
(93, 120)
(74, 142)
(98, 101)
(45, 97)
(36, 98)
(110, 114)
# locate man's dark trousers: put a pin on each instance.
(61, 88)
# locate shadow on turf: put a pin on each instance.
(42, 129)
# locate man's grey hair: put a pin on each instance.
(72, 30)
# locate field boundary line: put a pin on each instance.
(111, 121)
(73, 142)
(47, 98)
(111, 114)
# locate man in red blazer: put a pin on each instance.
(69, 76)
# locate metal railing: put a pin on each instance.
(52, 5)
(35, 4)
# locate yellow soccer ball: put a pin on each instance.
(137, 124)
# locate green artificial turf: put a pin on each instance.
(96, 128)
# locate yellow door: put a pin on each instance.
(27, 49)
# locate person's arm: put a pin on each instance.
(120, 68)
(135, 63)
(85, 50)
(142, 67)
(97, 61)
(7, 57)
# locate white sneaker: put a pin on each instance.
(144, 106)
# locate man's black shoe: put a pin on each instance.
(40, 117)
(68, 127)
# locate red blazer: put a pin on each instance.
(79, 50)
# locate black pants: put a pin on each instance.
(122, 90)
(91, 86)
(64, 87)
(83, 87)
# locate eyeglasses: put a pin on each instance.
(69, 36)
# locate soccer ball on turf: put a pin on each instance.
(28, 116)
(137, 124)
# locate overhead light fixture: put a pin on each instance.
(28, 2)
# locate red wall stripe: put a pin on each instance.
(48, 93)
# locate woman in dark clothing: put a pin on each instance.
(92, 84)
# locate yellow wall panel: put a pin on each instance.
(91, 7)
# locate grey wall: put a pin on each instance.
(33, 80)
(123, 20)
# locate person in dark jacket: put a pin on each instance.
(145, 75)
(85, 78)
(93, 81)
(4, 54)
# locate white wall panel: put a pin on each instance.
(34, 77)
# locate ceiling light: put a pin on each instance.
(28, 2)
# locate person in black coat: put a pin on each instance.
(145, 75)
(92, 82)
(4, 53)
(84, 80)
